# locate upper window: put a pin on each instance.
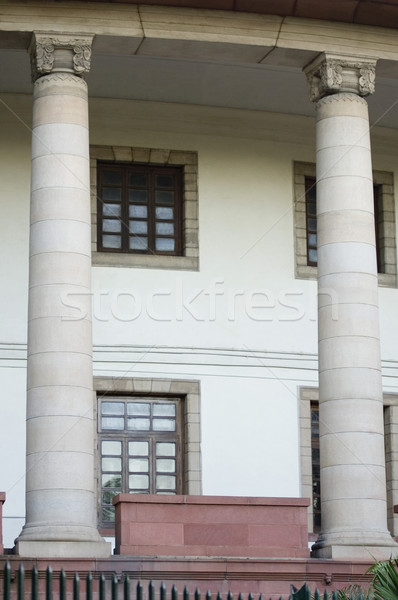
(306, 223)
(144, 207)
(139, 209)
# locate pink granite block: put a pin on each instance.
(171, 534)
(217, 534)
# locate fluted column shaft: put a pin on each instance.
(60, 508)
(353, 485)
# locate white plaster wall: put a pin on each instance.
(14, 199)
(251, 345)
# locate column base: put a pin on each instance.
(57, 541)
(63, 549)
(361, 547)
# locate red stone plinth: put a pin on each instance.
(211, 526)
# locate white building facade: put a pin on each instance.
(161, 223)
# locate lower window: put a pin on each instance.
(140, 448)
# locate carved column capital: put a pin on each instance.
(60, 53)
(333, 73)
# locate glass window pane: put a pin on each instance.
(112, 408)
(164, 213)
(111, 225)
(312, 239)
(138, 227)
(111, 241)
(107, 497)
(109, 447)
(111, 464)
(138, 465)
(165, 228)
(164, 181)
(112, 481)
(139, 196)
(162, 197)
(165, 449)
(165, 482)
(138, 179)
(140, 212)
(164, 410)
(108, 513)
(115, 423)
(313, 255)
(138, 243)
(111, 177)
(139, 482)
(114, 194)
(165, 465)
(312, 224)
(163, 424)
(111, 210)
(311, 208)
(139, 408)
(165, 244)
(138, 424)
(138, 449)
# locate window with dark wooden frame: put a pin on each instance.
(311, 222)
(140, 449)
(310, 216)
(316, 468)
(139, 208)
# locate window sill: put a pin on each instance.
(145, 261)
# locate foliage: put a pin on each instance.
(385, 579)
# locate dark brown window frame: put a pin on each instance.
(310, 201)
(126, 436)
(152, 171)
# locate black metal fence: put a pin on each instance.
(113, 588)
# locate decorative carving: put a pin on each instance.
(52, 53)
(367, 80)
(332, 73)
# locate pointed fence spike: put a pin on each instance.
(21, 582)
(162, 591)
(49, 583)
(151, 591)
(334, 595)
(185, 594)
(114, 587)
(102, 587)
(76, 586)
(208, 595)
(7, 581)
(219, 597)
(126, 588)
(229, 595)
(89, 586)
(62, 585)
(139, 591)
(174, 593)
(35, 584)
(197, 594)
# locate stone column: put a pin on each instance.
(60, 506)
(353, 482)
